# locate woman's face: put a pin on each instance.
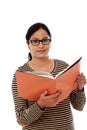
(40, 50)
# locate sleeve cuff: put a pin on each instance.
(81, 90)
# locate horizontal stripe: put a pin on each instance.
(54, 118)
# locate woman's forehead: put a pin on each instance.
(39, 33)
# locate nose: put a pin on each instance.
(40, 44)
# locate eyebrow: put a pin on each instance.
(35, 38)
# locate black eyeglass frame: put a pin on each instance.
(36, 42)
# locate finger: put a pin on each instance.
(56, 95)
(44, 93)
(59, 94)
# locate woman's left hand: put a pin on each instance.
(81, 81)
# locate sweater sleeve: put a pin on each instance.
(25, 114)
(78, 99)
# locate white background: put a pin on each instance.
(67, 21)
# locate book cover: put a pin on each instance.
(32, 84)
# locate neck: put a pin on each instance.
(40, 61)
(43, 64)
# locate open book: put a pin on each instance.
(32, 84)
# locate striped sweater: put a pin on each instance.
(31, 117)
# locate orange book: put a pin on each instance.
(32, 84)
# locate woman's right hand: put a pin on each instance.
(46, 100)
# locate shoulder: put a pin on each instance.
(59, 65)
(61, 62)
(24, 67)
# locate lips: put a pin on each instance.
(41, 51)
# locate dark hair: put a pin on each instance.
(29, 56)
(35, 27)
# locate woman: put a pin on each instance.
(46, 113)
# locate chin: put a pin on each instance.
(42, 57)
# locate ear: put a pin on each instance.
(28, 45)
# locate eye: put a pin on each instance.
(34, 41)
(45, 40)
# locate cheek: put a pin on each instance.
(49, 47)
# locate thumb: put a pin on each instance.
(44, 93)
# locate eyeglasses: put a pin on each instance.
(37, 42)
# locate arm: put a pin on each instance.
(25, 114)
(77, 97)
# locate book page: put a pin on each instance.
(40, 73)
